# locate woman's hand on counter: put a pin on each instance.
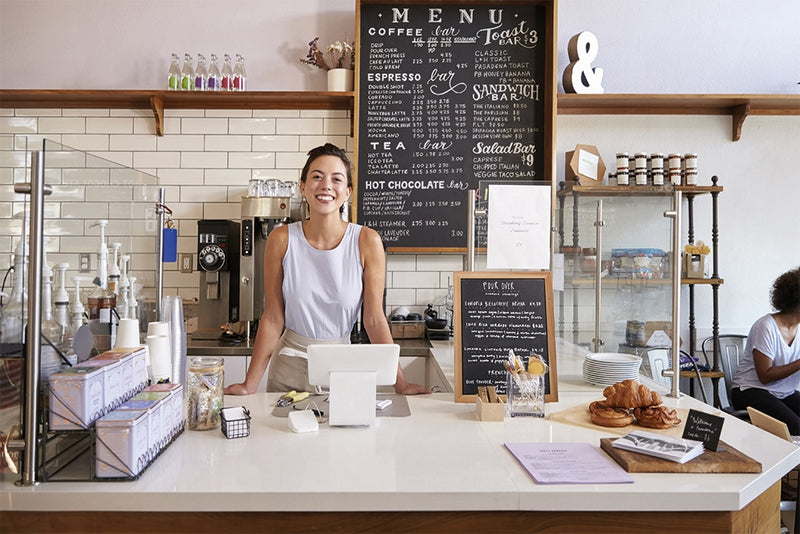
(237, 389)
(409, 388)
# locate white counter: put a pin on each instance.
(439, 458)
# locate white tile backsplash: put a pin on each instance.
(109, 125)
(252, 126)
(204, 126)
(203, 162)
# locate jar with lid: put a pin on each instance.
(641, 176)
(204, 385)
(622, 160)
(640, 160)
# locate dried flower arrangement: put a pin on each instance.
(341, 55)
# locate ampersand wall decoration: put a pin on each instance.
(580, 76)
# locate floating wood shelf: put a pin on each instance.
(158, 101)
(739, 107)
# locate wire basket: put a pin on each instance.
(235, 422)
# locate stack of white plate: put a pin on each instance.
(606, 368)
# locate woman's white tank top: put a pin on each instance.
(322, 289)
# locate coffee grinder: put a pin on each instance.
(218, 263)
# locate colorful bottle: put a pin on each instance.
(214, 75)
(174, 76)
(201, 74)
(239, 75)
(227, 74)
(187, 74)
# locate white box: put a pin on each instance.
(121, 443)
(155, 435)
(112, 381)
(128, 384)
(140, 376)
(76, 397)
(174, 403)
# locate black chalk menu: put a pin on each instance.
(496, 312)
(448, 95)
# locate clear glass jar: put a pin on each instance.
(204, 387)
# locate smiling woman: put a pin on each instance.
(317, 275)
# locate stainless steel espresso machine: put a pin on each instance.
(269, 204)
(218, 263)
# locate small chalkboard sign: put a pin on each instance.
(495, 312)
(701, 426)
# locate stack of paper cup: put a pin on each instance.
(172, 312)
(156, 328)
(127, 334)
(160, 362)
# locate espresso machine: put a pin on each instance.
(269, 204)
(218, 263)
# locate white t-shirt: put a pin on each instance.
(766, 338)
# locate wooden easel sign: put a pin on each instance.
(495, 312)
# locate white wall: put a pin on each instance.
(714, 46)
(676, 46)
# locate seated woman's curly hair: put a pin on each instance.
(785, 294)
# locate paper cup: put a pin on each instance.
(160, 357)
(127, 334)
(158, 328)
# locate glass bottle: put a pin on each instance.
(239, 74)
(12, 327)
(227, 74)
(174, 75)
(51, 335)
(214, 75)
(187, 73)
(201, 74)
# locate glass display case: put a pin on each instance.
(62, 203)
(617, 246)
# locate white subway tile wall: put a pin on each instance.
(204, 162)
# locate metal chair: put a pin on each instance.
(731, 349)
(660, 358)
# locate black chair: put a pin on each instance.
(731, 349)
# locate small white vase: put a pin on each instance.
(340, 80)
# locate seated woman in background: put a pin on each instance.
(769, 372)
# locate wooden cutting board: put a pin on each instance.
(728, 460)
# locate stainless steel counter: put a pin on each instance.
(408, 347)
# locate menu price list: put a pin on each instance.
(498, 315)
(449, 95)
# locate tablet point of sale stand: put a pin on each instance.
(352, 373)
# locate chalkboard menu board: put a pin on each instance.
(495, 312)
(448, 94)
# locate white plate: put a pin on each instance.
(613, 357)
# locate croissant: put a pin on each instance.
(630, 394)
(656, 417)
(604, 415)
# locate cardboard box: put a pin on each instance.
(694, 265)
(489, 407)
(407, 329)
(586, 164)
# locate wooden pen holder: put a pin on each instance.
(488, 406)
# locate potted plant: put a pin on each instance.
(338, 60)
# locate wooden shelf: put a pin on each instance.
(623, 190)
(157, 101)
(739, 107)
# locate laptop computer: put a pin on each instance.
(771, 425)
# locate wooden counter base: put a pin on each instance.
(761, 515)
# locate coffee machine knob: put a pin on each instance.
(245, 280)
(212, 258)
